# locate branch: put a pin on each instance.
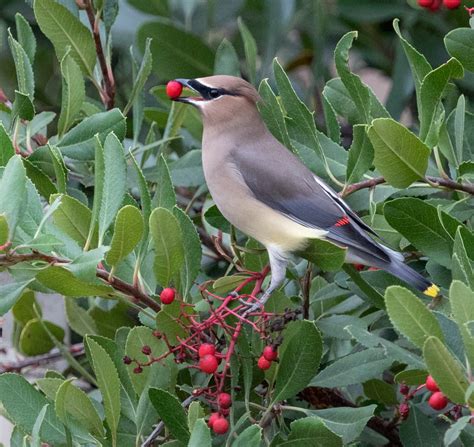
(76, 350)
(130, 290)
(321, 398)
(108, 92)
(437, 182)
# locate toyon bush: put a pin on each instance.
(103, 205)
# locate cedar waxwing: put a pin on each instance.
(269, 194)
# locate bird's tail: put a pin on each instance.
(412, 277)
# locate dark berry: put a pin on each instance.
(146, 350)
(138, 370)
(404, 410)
(404, 389)
(127, 360)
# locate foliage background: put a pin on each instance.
(361, 366)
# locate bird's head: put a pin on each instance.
(221, 97)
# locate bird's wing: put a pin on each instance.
(284, 184)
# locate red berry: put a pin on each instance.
(208, 364)
(263, 363)
(220, 426)
(431, 385)
(359, 267)
(435, 5)
(404, 410)
(425, 3)
(213, 418)
(127, 360)
(167, 295)
(206, 349)
(452, 4)
(224, 400)
(269, 353)
(138, 370)
(174, 89)
(146, 350)
(438, 400)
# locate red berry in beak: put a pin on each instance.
(174, 89)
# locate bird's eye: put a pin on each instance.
(214, 93)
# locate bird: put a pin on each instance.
(265, 191)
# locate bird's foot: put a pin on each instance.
(255, 305)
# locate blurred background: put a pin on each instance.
(192, 38)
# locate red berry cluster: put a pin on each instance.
(437, 401)
(210, 341)
(269, 355)
(434, 5)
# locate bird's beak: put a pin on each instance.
(188, 99)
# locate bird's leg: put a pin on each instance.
(278, 263)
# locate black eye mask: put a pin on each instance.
(209, 93)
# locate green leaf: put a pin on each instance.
(380, 391)
(6, 147)
(168, 244)
(25, 36)
(300, 356)
(23, 69)
(64, 282)
(35, 433)
(410, 316)
(250, 437)
(34, 339)
(346, 422)
(201, 435)
(250, 48)
(312, 432)
(10, 293)
(13, 187)
(141, 77)
(353, 368)
(79, 142)
(461, 298)
(109, 385)
(23, 404)
(60, 170)
(399, 155)
(459, 43)
(453, 432)
(42, 182)
(411, 377)
(65, 31)
(3, 230)
(128, 232)
(272, 113)
(446, 371)
(73, 93)
(137, 338)
(461, 249)
(226, 61)
(72, 402)
(24, 309)
(420, 223)
(176, 53)
(367, 104)
(73, 218)
(361, 154)
(78, 318)
(420, 67)
(431, 91)
(325, 255)
(459, 122)
(115, 183)
(337, 95)
(171, 413)
(165, 196)
(166, 320)
(419, 431)
(23, 107)
(192, 251)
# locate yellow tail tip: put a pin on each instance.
(432, 291)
